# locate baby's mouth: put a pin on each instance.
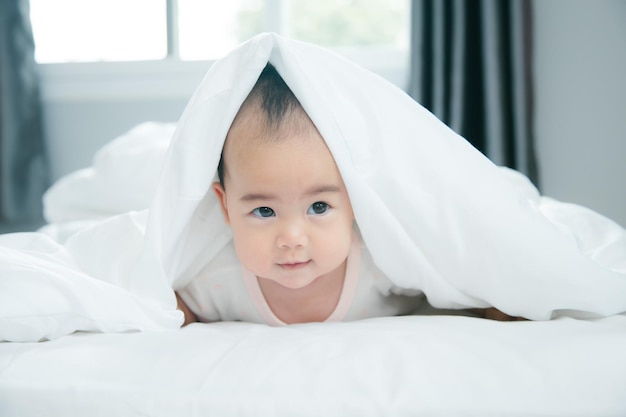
(291, 266)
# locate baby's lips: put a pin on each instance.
(294, 265)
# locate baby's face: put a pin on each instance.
(288, 208)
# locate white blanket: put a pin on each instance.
(434, 212)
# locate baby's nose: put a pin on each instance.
(291, 235)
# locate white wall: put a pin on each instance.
(580, 99)
(76, 129)
(87, 105)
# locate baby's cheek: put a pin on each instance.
(337, 246)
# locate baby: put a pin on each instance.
(297, 255)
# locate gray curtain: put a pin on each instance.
(471, 67)
(23, 166)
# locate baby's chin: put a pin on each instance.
(293, 282)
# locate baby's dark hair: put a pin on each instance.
(273, 97)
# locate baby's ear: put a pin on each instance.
(220, 193)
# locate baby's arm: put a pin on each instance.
(494, 314)
(189, 316)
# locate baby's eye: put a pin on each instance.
(263, 212)
(318, 208)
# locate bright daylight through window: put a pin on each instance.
(138, 30)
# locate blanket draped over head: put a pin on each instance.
(435, 214)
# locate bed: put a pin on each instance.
(89, 326)
(402, 366)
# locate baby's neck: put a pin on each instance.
(313, 303)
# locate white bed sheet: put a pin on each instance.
(398, 366)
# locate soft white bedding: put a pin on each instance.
(437, 216)
(401, 366)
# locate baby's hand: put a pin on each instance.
(189, 316)
(493, 313)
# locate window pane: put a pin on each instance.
(353, 23)
(99, 30)
(208, 29)
(211, 28)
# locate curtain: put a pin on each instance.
(471, 67)
(23, 165)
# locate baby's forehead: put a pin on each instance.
(252, 126)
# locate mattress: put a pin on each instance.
(427, 365)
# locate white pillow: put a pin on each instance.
(45, 294)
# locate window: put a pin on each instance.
(161, 49)
(98, 30)
(209, 29)
(139, 30)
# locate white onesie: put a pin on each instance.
(225, 291)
